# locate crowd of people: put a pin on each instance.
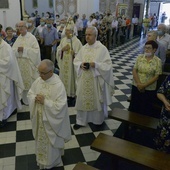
(79, 49)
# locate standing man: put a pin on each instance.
(163, 37)
(161, 50)
(49, 116)
(66, 51)
(84, 27)
(49, 38)
(27, 52)
(94, 81)
(109, 19)
(146, 25)
(135, 22)
(79, 26)
(11, 85)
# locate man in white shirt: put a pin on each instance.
(135, 22)
(79, 26)
(114, 29)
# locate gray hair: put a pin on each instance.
(154, 33)
(94, 29)
(49, 64)
(163, 26)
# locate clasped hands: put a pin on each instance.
(66, 48)
(167, 105)
(141, 87)
(20, 49)
(39, 99)
(92, 64)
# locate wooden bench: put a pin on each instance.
(82, 166)
(136, 154)
(133, 118)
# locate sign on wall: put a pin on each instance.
(4, 4)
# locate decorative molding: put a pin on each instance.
(112, 6)
(50, 2)
(102, 6)
(35, 3)
(59, 7)
(72, 7)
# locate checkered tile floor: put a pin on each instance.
(16, 140)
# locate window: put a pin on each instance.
(34, 3)
(50, 3)
(4, 4)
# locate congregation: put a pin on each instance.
(78, 51)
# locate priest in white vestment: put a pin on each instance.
(49, 116)
(94, 81)
(27, 52)
(66, 51)
(11, 85)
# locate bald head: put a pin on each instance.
(162, 29)
(93, 30)
(47, 64)
(22, 25)
(152, 35)
(45, 69)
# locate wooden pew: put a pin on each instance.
(82, 166)
(133, 118)
(136, 154)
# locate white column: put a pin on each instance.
(25, 16)
(87, 7)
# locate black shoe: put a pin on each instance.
(3, 123)
(76, 127)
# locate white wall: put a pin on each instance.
(43, 6)
(87, 7)
(9, 17)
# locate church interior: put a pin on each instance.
(134, 151)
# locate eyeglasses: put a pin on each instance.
(147, 48)
(42, 73)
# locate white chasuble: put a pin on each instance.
(65, 63)
(95, 86)
(29, 59)
(50, 121)
(11, 85)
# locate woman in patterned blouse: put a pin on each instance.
(10, 38)
(146, 71)
(162, 139)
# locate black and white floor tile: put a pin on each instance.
(16, 141)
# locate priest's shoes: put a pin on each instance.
(76, 126)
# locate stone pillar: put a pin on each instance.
(129, 14)
(112, 6)
(147, 7)
(24, 15)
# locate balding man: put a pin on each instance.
(27, 52)
(95, 82)
(49, 116)
(163, 37)
(161, 50)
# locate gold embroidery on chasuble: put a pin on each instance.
(24, 67)
(66, 65)
(42, 138)
(88, 95)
